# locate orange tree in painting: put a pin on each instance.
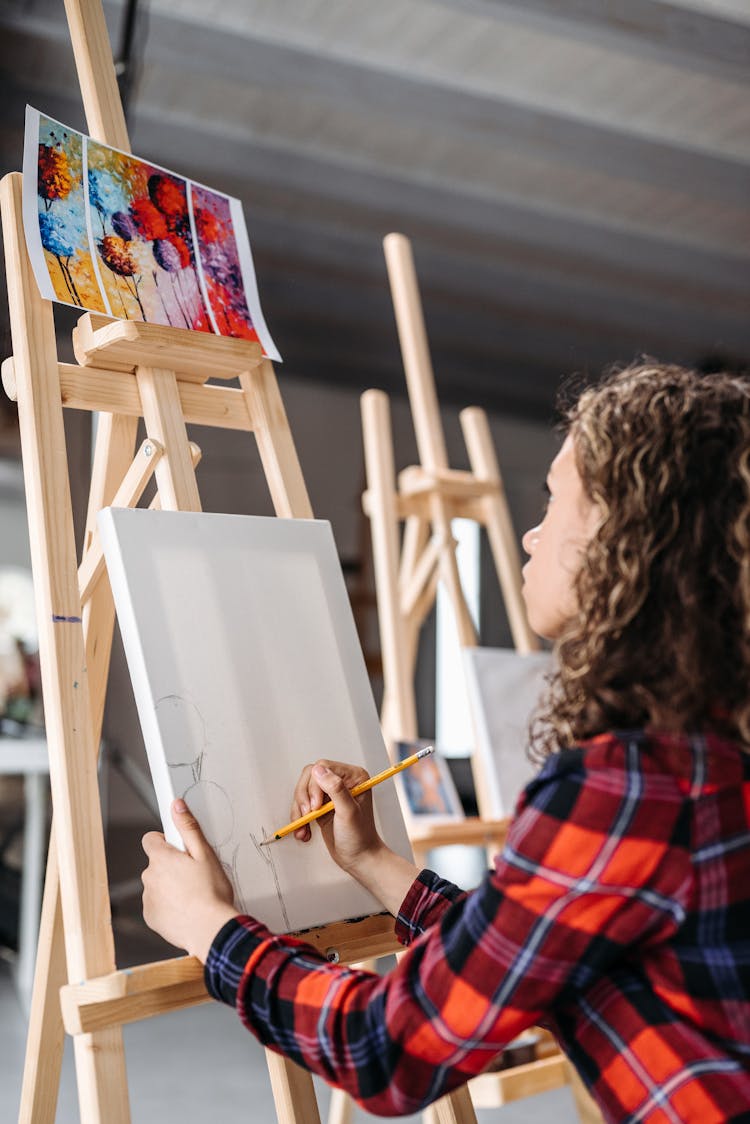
(54, 180)
(116, 254)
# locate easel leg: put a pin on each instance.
(45, 1040)
(98, 1057)
(113, 453)
(101, 1076)
(341, 1108)
(467, 634)
(78, 831)
(400, 719)
(293, 1092)
(416, 534)
(35, 831)
(499, 526)
(454, 1109)
(275, 444)
(114, 444)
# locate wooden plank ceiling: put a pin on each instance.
(574, 174)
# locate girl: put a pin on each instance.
(618, 913)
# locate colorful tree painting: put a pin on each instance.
(111, 233)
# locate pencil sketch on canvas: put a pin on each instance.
(246, 666)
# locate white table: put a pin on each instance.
(28, 757)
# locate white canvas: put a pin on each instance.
(246, 667)
(504, 688)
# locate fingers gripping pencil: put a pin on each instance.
(356, 791)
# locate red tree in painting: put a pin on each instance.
(169, 196)
(182, 249)
(148, 219)
(208, 227)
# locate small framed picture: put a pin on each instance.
(426, 790)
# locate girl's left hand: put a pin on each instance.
(187, 897)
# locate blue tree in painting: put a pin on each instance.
(100, 192)
(54, 241)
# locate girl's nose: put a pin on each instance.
(529, 540)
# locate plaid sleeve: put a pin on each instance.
(426, 901)
(581, 877)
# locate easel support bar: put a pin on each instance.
(130, 491)
(133, 994)
(116, 392)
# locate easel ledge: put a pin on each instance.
(132, 994)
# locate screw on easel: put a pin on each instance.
(148, 450)
(332, 955)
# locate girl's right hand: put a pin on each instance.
(349, 833)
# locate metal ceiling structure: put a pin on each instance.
(574, 174)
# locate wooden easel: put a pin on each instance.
(426, 497)
(125, 371)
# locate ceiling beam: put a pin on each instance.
(494, 122)
(705, 40)
(337, 195)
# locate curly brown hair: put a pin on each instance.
(662, 637)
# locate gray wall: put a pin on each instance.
(14, 528)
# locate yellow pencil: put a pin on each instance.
(358, 788)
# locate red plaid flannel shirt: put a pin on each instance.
(618, 914)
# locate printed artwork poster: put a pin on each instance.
(108, 232)
(426, 790)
